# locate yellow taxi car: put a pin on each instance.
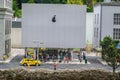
(30, 61)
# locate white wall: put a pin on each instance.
(97, 22)
(6, 4)
(16, 32)
(89, 27)
(107, 20)
(16, 37)
(67, 32)
(2, 38)
(1, 3)
(5, 14)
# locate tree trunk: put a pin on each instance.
(103, 56)
(113, 71)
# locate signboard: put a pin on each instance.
(53, 25)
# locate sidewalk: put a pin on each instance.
(97, 55)
(8, 59)
(94, 54)
(74, 61)
(14, 52)
(102, 62)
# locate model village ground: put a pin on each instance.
(61, 33)
(94, 62)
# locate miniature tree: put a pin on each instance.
(104, 44)
(111, 53)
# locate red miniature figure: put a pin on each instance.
(54, 65)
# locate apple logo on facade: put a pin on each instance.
(54, 19)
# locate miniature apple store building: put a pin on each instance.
(53, 25)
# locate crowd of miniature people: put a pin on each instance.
(59, 55)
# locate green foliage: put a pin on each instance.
(89, 3)
(58, 75)
(23, 1)
(80, 2)
(54, 1)
(19, 77)
(9, 77)
(17, 11)
(105, 43)
(116, 0)
(14, 5)
(84, 1)
(31, 1)
(110, 53)
(89, 8)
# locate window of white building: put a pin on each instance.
(116, 33)
(97, 18)
(7, 27)
(7, 46)
(96, 32)
(117, 19)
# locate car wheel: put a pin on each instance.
(36, 64)
(25, 64)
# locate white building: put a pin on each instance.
(5, 27)
(106, 21)
(53, 25)
(16, 34)
(16, 31)
(89, 28)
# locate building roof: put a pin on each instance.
(108, 4)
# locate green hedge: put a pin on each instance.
(21, 74)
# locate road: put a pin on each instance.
(95, 64)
